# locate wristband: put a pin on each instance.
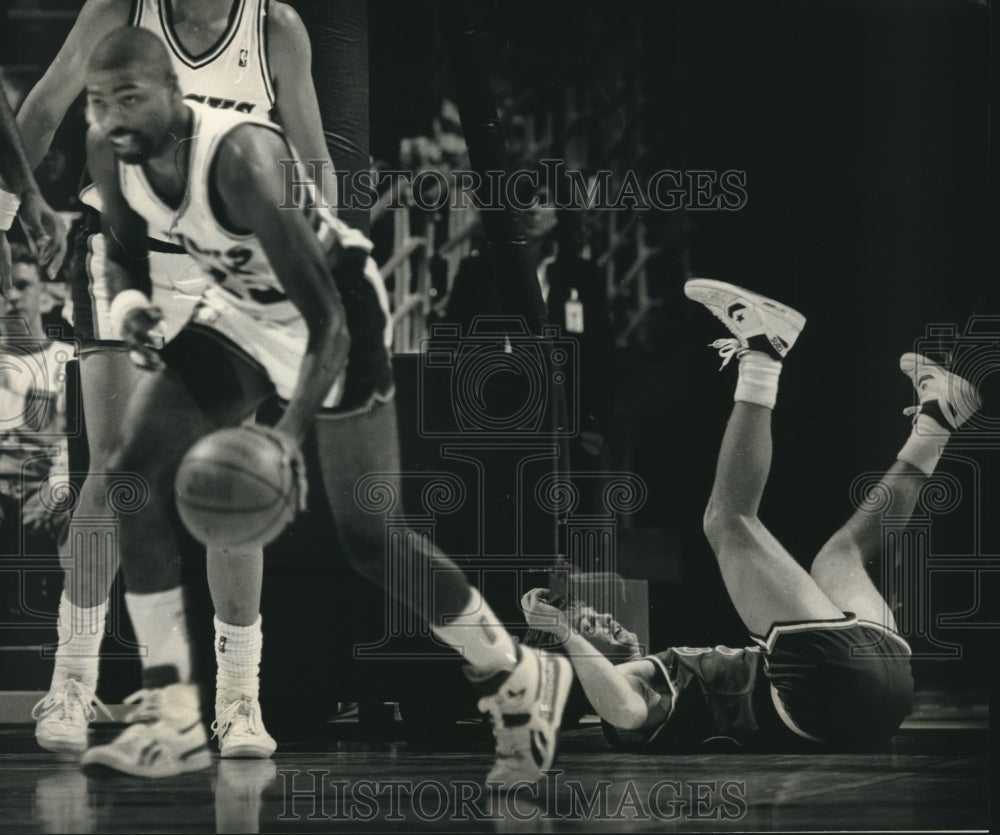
(9, 204)
(123, 304)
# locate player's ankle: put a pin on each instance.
(758, 379)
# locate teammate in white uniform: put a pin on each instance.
(224, 76)
(212, 180)
(245, 56)
(19, 192)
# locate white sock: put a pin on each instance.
(923, 448)
(758, 380)
(479, 636)
(237, 655)
(161, 628)
(81, 631)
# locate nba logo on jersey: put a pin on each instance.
(243, 57)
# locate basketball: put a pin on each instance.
(236, 487)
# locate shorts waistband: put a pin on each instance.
(155, 245)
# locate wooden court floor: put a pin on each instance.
(931, 778)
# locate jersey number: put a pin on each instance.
(227, 268)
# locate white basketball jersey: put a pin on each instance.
(234, 73)
(237, 262)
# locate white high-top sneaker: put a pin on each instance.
(947, 398)
(166, 737)
(527, 710)
(64, 715)
(757, 322)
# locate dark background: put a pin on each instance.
(863, 128)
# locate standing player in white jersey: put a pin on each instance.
(211, 178)
(44, 227)
(246, 56)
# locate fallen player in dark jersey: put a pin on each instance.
(830, 670)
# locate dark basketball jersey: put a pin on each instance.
(714, 694)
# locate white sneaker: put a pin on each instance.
(757, 322)
(64, 715)
(526, 712)
(166, 738)
(946, 397)
(240, 728)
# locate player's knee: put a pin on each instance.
(723, 526)
(717, 520)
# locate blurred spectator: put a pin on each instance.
(32, 414)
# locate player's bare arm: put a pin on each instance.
(45, 229)
(296, 108)
(251, 187)
(46, 105)
(619, 693)
(15, 174)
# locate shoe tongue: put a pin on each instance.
(153, 678)
(233, 695)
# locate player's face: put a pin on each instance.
(24, 299)
(132, 110)
(606, 635)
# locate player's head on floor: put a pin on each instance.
(132, 92)
(605, 634)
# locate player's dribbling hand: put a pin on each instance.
(136, 332)
(293, 455)
(543, 616)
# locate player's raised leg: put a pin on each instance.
(946, 401)
(764, 582)
(523, 689)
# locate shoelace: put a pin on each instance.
(727, 348)
(241, 707)
(149, 705)
(70, 693)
